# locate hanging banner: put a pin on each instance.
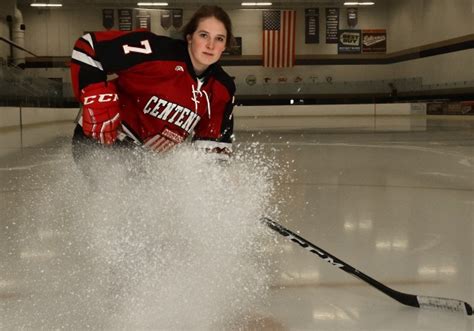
(125, 19)
(374, 41)
(351, 17)
(311, 19)
(177, 18)
(108, 18)
(349, 42)
(332, 25)
(142, 19)
(166, 19)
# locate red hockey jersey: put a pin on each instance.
(162, 100)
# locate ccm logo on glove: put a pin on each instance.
(101, 112)
(107, 97)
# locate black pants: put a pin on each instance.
(82, 144)
(87, 152)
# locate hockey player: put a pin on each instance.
(165, 89)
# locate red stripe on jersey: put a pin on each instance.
(108, 35)
(85, 47)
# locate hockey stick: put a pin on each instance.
(404, 298)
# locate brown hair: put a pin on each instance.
(210, 11)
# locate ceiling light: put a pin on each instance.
(37, 4)
(365, 3)
(162, 4)
(256, 3)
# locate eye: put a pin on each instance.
(203, 35)
(221, 39)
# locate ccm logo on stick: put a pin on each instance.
(315, 251)
(305, 245)
(106, 97)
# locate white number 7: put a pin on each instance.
(147, 50)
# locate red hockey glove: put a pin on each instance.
(100, 114)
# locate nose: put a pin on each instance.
(210, 44)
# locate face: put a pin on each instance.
(207, 43)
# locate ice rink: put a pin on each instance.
(396, 203)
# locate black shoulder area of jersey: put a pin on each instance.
(225, 79)
(162, 48)
(167, 48)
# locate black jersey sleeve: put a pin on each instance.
(100, 53)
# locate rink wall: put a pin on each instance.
(21, 116)
(372, 117)
(247, 117)
(22, 127)
(332, 110)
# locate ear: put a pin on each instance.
(188, 38)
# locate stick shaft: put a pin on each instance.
(404, 298)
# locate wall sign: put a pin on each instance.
(166, 19)
(143, 19)
(311, 26)
(108, 18)
(125, 19)
(332, 25)
(352, 17)
(177, 18)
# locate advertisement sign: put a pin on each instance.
(236, 49)
(374, 41)
(349, 42)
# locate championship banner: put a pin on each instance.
(108, 18)
(332, 25)
(351, 17)
(125, 19)
(177, 18)
(279, 38)
(143, 19)
(374, 41)
(166, 19)
(349, 42)
(311, 20)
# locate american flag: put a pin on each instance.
(279, 38)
